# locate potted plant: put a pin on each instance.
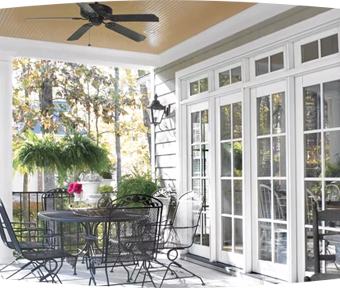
(137, 183)
(106, 192)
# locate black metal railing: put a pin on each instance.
(26, 206)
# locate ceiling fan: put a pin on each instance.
(97, 14)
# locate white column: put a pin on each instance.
(6, 68)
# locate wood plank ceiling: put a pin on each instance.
(178, 21)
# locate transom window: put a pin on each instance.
(230, 76)
(199, 86)
(269, 64)
(320, 48)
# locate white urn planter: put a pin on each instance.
(90, 191)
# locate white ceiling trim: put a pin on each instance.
(245, 19)
(79, 54)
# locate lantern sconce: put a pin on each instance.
(156, 111)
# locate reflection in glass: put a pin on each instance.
(224, 78)
(265, 200)
(279, 156)
(195, 127)
(227, 234)
(261, 66)
(236, 74)
(264, 157)
(276, 62)
(263, 112)
(280, 205)
(194, 89)
(329, 45)
(196, 161)
(225, 159)
(205, 125)
(237, 150)
(332, 153)
(309, 51)
(204, 157)
(204, 85)
(225, 122)
(237, 120)
(331, 100)
(309, 250)
(265, 235)
(196, 185)
(226, 196)
(311, 107)
(280, 243)
(238, 197)
(238, 232)
(279, 117)
(313, 157)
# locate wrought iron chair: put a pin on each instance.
(130, 237)
(46, 261)
(319, 256)
(181, 235)
(73, 233)
(168, 198)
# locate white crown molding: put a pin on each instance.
(79, 54)
(247, 18)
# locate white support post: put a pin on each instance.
(6, 69)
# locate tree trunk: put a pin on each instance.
(117, 133)
(46, 103)
(146, 120)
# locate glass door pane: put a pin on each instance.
(321, 104)
(270, 169)
(199, 177)
(230, 203)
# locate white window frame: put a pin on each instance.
(198, 78)
(267, 54)
(315, 37)
(226, 68)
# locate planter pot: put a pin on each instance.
(90, 191)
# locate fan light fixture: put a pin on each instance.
(156, 111)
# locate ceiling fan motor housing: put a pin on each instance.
(103, 12)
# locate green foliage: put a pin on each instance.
(105, 189)
(38, 153)
(81, 154)
(136, 183)
(106, 174)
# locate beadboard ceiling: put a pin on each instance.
(178, 22)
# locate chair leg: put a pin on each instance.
(306, 282)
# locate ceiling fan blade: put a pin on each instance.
(87, 9)
(125, 31)
(55, 18)
(134, 17)
(80, 32)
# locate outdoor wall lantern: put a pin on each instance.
(156, 111)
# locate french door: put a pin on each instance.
(229, 180)
(198, 166)
(318, 97)
(269, 181)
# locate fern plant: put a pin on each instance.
(137, 183)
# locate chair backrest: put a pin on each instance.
(333, 192)
(265, 204)
(187, 219)
(56, 199)
(329, 216)
(6, 230)
(134, 225)
(60, 199)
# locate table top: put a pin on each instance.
(69, 216)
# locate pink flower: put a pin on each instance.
(75, 188)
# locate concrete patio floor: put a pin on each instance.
(211, 277)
